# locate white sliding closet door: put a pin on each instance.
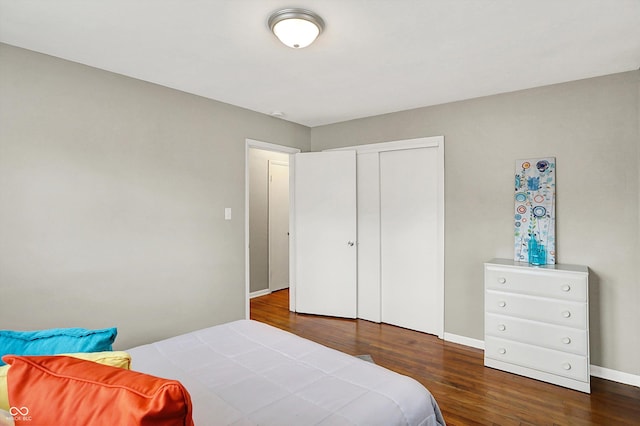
(325, 233)
(409, 194)
(369, 236)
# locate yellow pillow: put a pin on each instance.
(113, 358)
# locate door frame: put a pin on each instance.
(265, 146)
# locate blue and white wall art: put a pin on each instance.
(535, 215)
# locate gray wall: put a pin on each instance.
(259, 215)
(592, 128)
(112, 197)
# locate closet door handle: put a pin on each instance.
(566, 314)
(350, 243)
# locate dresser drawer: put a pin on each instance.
(565, 339)
(555, 362)
(560, 312)
(538, 282)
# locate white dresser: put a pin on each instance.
(536, 321)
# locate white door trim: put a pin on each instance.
(427, 142)
(266, 146)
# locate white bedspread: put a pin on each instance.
(249, 373)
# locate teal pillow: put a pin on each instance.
(55, 341)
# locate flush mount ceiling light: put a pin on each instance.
(297, 28)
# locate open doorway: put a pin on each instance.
(267, 218)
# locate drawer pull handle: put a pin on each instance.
(566, 314)
(502, 304)
(566, 366)
(566, 287)
(566, 340)
(502, 280)
(502, 327)
(502, 351)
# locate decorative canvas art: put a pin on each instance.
(535, 216)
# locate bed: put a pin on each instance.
(249, 373)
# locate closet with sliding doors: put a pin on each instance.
(368, 233)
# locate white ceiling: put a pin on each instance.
(374, 57)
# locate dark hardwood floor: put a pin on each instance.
(468, 393)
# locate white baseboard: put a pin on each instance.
(259, 293)
(462, 340)
(615, 375)
(596, 371)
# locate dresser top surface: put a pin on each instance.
(556, 267)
